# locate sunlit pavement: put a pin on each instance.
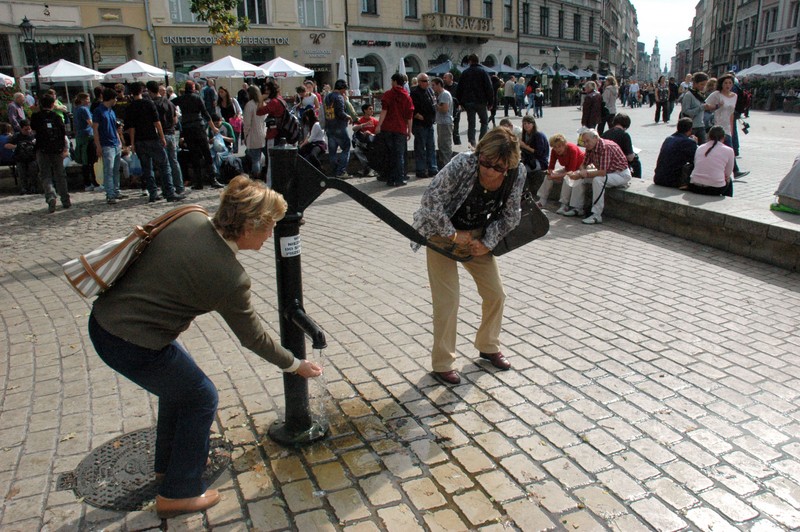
(655, 382)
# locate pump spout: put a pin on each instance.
(298, 316)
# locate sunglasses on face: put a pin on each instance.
(495, 167)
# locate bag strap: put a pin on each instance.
(155, 226)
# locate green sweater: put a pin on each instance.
(187, 270)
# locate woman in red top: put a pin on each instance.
(273, 107)
(570, 157)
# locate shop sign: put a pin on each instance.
(406, 44)
(318, 52)
(211, 40)
(371, 43)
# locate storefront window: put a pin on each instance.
(6, 64)
(258, 55)
(187, 58)
(370, 71)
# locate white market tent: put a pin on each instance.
(228, 67)
(135, 70)
(63, 71)
(283, 68)
(6, 81)
(761, 70)
(788, 70)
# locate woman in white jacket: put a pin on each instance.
(255, 131)
(610, 95)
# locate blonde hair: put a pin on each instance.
(500, 144)
(611, 81)
(247, 204)
(558, 138)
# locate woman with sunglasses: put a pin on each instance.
(471, 204)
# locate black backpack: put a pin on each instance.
(50, 135)
(25, 151)
(289, 126)
(231, 167)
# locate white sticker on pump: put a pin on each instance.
(290, 246)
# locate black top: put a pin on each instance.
(676, 151)
(193, 111)
(423, 100)
(475, 86)
(621, 137)
(474, 213)
(142, 115)
(167, 114)
(50, 132)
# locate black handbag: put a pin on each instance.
(533, 223)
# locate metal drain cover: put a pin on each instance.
(118, 475)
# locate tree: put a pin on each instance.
(222, 23)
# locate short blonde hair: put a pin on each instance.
(247, 204)
(500, 144)
(556, 139)
(611, 81)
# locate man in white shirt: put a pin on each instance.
(444, 121)
(509, 96)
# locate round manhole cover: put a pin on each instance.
(118, 475)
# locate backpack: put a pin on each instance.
(289, 126)
(50, 135)
(743, 102)
(231, 167)
(25, 151)
(330, 110)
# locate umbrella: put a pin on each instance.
(507, 70)
(228, 67)
(135, 70)
(564, 73)
(6, 81)
(786, 70)
(488, 70)
(441, 68)
(548, 71)
(342, 68)
(765, 70)
(283, 68)
(581, 73)
(63, 71)
(355, 78)
(401, 68)
(530, 71)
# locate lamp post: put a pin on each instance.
(28, 36)
(166, 76)
(556, 79)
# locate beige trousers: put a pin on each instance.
(443, 277)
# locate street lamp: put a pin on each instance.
(556, 97)
(28, 36)
(166, 76)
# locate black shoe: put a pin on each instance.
(176, 197)
(217, 184)
(456, 141)
(737, 175)
(51, 205)
(153, 199)
(421, 175)
(67, 203)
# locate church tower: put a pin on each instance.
(655, 64)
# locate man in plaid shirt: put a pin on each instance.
(605, 166)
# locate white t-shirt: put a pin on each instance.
(444, 118)
(723, 115)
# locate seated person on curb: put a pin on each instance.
(226, 133)
(364, 135)
(604, 166)
(619, 134)
(314, 144)
(570, 157)
(713, 166)
(676, 152)
(23, 146)
(516, 130)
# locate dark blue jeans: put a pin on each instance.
(424, 149)
(152, 155)
(338, 139)
(473, 109)
(397, 157)
(187, 403)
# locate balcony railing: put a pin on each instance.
(457, 24)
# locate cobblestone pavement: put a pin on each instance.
(655, 384)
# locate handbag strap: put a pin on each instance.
(155, 226)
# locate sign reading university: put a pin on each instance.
(209, 39)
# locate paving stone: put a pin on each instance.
(708, 520)
(255, 485)
(580, 520)
(733, 480)
(268, 514)
(785, 489)
(760, 450)
(551, 496)
(473, 459)
(451, 478)
(348, 505)
(635, 465)
(330, 476)
(748, 464)
(694, 454)
(499, 486)
(288, 469)
(600, 502)
(729, 505)
(628, 523)
(688, 476)
(301, 496)
(778, 510)
(538, 448)
(444, 521)
(423, 493)
(602, 441)
(402, 465)
(671, 493)
(567, 473)
(621, 484)
(316, 520)
(476, 507)
(364, 526)
(657, 515)
(379, 489)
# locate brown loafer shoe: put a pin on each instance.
(447, 377)
(166, 508)
(498, 360)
